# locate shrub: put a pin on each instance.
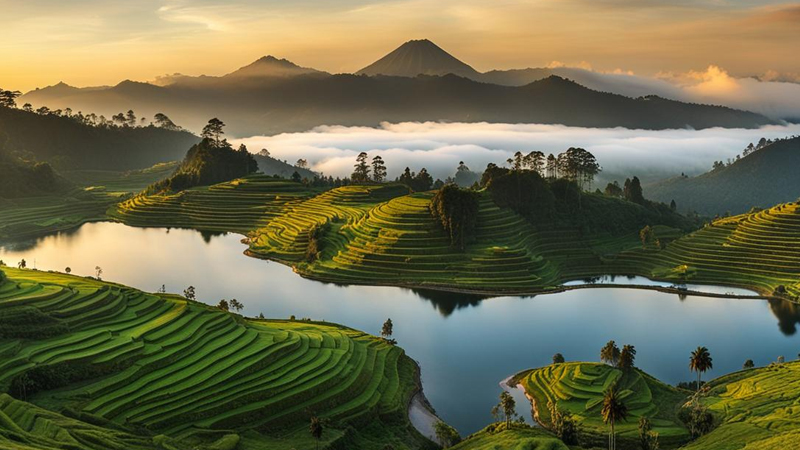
(457, 211)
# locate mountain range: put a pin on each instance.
(416, 82)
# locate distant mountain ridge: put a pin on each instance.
(274, 95)
(763, 178)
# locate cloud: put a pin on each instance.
(440, 146)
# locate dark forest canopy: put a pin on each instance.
(456, 210)
(67, 141)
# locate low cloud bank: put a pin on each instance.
(439, 147)
(774, 95)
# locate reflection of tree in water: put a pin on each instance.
(447, 302)
(208, 235)
(30, 244)
(787, 313)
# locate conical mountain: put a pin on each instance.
(419, 57)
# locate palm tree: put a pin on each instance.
(614, 410)
(316, 429)
(700, 362)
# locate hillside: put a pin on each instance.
(65, 143)
(207, 163)
(752, 409)
(273, 166)
(179, 374)
(761, 179)
(757, 250)
(19, 179)
(578, 388)
(301, 102)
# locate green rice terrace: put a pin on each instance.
(752, 409)
(758, 250)
(381, 234)
(93, 365)
(579, 388)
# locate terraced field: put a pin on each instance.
(153, 365)
(758, 409)
(237, 206)
(757, 250)
(30, 217)
(399, 242)
(579, 388)
(286, 237)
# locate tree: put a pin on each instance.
(700, 362)
(445, 434)
(614, 410)
(27, 107)
(360, 169)
(189, 293)
(552, 166)
(646, 235)
(8, 99)
(302, 163)
(673, 206)
(315, 428)
(224, 305)
(648, 439)
(633, 190)
(236, 305)
(507, 406)
(378, 169)
(558, 358)
(98, 272)
(456, 210)
(213, 131)
(22, 264)
(563, 424)
(387, 329)
(130, 119)
(610, 353)
(613, 189)
(422, 181)
(535, 161)
(749, 364)
(627, 357)
(162, 121)
(296, 177)
(68, 269)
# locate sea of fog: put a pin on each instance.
(651, 155)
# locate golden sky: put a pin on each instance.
(96, 42)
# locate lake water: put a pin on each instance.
(464, 344)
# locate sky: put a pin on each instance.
(100, 42)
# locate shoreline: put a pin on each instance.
(421, 415)
(758, 293)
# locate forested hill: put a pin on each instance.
(301, 102)
(21, 179)
(206, 163)
(66, 143)
(765, 177)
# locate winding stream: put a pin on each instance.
(464, 344)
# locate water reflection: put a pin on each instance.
(464, 344)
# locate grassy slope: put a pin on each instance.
(149, 364)
(758, 410)
(579, 387)
(512, 439)
(240, 205)
(122, 182)
(757, 250)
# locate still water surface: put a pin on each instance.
(464, 344)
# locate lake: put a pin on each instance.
(464, 344)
